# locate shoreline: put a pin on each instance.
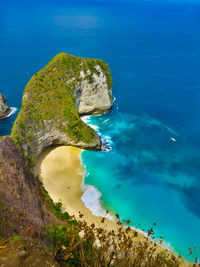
(95, 194)
(62, 173)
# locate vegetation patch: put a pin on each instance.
(54, 207)
(86, 245)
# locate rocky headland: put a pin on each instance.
(53, 101)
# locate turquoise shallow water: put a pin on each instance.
(153, 50)
(146, 178)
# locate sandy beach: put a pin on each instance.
(61, 171)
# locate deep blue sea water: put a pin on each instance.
(153, 50)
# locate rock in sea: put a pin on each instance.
(3, 106)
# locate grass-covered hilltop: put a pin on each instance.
(65, 88)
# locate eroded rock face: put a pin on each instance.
(21, 202)
(53, 137)
(3, 106)
(94, 97)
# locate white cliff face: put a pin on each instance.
(3, 105)
(93, 97)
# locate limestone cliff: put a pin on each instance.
(95, 97)
(54, 98)
(3, 106)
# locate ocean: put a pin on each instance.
(153, 51)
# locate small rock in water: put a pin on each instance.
(3, 105)
(105, 145)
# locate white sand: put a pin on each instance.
(60, 170)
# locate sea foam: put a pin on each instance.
(87, 120)
(106, 140)
(92, 196)
(13, 111)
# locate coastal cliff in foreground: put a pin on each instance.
(53, 101)
(4, 110)
(21, 200)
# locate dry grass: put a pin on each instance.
(86, 245)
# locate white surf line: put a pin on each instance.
(13, 111)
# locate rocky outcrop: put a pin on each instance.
(53, 101)
(3, 106)
(21, 202)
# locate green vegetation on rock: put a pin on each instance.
(48, 106)
(54, 207)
